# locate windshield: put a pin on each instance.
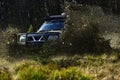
(51, 25)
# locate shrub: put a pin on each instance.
(8, 43)
(81, 31)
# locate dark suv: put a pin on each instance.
(49, 30)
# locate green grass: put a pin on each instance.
(63, 67)
(5, 74)
(72, 73)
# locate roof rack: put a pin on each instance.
(54, 17)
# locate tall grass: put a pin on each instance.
(81, 67)
(26, 71)
(71, 73)
(5, 74)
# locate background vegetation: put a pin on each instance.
(22, 13)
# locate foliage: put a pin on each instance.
(89, 67)
(24, 13)
(72, 73)
(30, 29)
(32, 73)
(65, 62)
(8, 43)
(26, 71)
(23, 65)
(81, 31)
(5, 74)
(30, 70)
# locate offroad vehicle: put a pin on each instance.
(49, 30)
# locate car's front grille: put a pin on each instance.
(34, 38)
(30, 39)
(37, 37)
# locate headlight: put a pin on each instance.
(22, 38)
(53, 37)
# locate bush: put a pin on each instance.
(81, 31)
(8, 43)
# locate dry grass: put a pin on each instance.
(101, 67)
